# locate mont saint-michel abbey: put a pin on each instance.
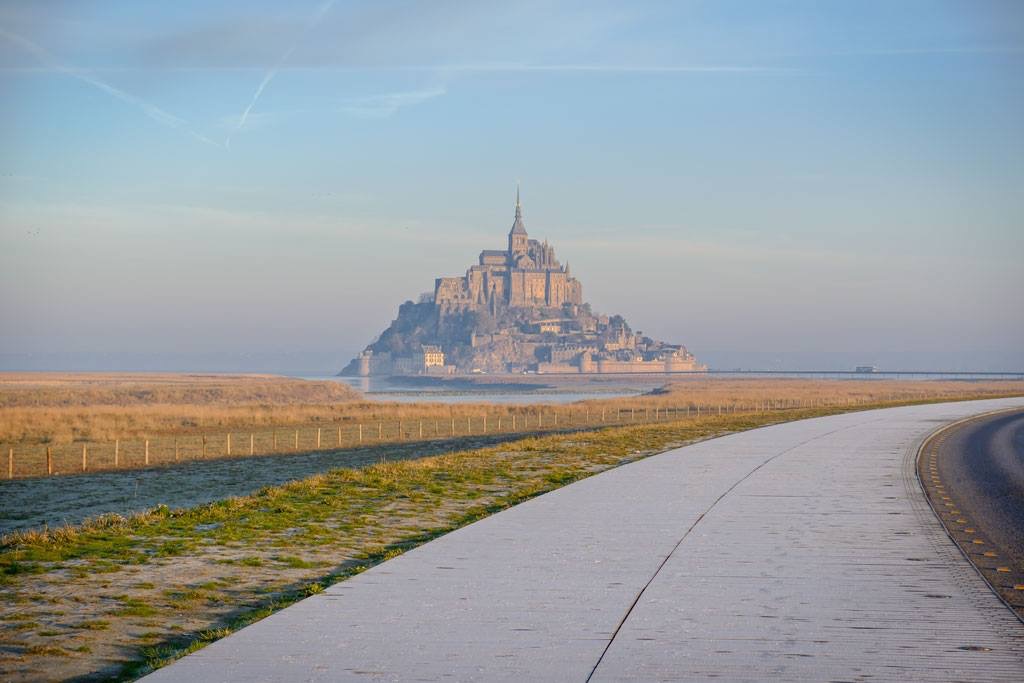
(526, 274)
(516, 310)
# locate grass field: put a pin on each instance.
(67, 407)
(116, 597)
(75, 424)
(55, 408)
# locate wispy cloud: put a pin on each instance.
(599, 68)
(253, 121)
(382, 106)
(149, 109)
(924, 51)
(377, 106)
(468, 68)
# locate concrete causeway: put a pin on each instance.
(801, 551)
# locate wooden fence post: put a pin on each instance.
(10, 463)
(204, 446)
(85, 451)
(339, 435)
(147, 451)
(485, 423)
(453, 426)
(399, 430)
(360, 433)
(252, 443)
(513, 422)
(380, 431)
(421, 429)
(318, 437)
(117, 452)
(296, 439)
(49, 460)
(229, 444)
(176, 453)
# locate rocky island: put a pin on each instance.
(517, 310)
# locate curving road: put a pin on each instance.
(974, 475)
(801, 551)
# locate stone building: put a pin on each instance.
(524, 275)
(433, 356)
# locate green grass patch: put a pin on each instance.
(23, 626)
(45, 651)
(295, 562)
(172, 548)
(133, 607)
(93, 625)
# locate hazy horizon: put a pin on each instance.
(257, 187)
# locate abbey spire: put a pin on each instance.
(517, 237)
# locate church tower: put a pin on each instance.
(517, 236)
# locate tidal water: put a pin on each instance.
(536, 390)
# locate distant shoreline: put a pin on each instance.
(533, 382)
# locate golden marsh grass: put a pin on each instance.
(63, 408)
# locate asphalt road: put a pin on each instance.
(978, 467)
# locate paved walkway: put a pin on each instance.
(803, 551)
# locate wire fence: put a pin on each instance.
(39, 460)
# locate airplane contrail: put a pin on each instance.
(314, 19)
(269, 76)
(149, 109)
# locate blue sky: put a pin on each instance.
(766, 182)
